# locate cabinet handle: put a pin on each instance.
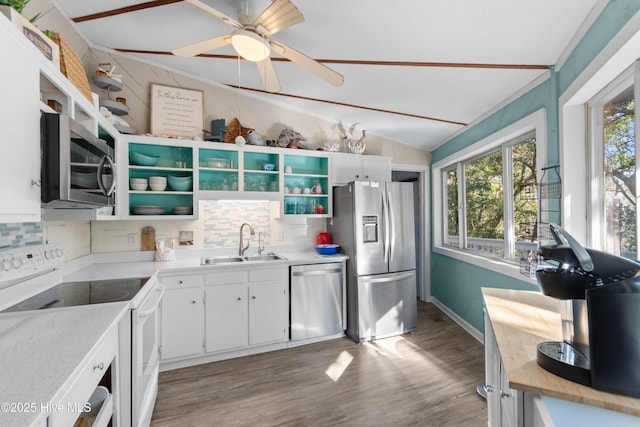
(357, 176)
(193, 301)
(366, 176)
(36, 182)
(180, 282)
(253, 297)
(99, 366)
(239, 298)
(503, 394)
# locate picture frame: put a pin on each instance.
(176, 111)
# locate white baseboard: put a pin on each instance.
(459, 320)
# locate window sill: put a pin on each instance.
(493, 264)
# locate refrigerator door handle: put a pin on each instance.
(391, 279)
(391, 241)
(387, 225)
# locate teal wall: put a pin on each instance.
(456, 283)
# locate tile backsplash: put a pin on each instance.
(218, 226)
(21, 234)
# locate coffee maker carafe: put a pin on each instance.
(591, 285)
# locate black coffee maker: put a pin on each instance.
(599, 297)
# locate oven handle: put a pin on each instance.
(149, 312)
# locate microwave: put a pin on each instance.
(77, 168)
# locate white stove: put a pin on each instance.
(31, 280)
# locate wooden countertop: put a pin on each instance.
(523, 319)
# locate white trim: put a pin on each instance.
(460, 321)
(425, 209)
(615, 58)
(537, 122)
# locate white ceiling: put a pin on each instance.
(500, 32)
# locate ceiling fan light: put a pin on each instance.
(250, 46)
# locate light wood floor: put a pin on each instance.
(424, 379)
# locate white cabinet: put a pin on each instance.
(347, 168)
(85, 386)
(20, 147)
(182, 315)
(268, 309)
(246, 308)
(505, 405)
(226, 317)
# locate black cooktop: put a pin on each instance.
(70, 294)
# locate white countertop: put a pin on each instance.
(40, 353)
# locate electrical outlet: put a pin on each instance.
(280, 236)
(131, 239)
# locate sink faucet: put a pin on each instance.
(260, 247)
(242, 248)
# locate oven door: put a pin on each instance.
(145, 357)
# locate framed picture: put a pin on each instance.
(176, 111)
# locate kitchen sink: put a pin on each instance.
(231, 259)
(268, 257)
(220, 260)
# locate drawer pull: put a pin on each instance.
(99, 366)
(180, 282)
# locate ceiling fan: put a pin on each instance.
(252, 41)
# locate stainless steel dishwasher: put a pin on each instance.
(317, 300)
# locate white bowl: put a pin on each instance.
(158, 186)
(138, 184)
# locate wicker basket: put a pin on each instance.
(71, 66)
(233, 130)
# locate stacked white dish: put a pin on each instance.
(139, 184)
(158, 183)
(148, 210)
(183, 210)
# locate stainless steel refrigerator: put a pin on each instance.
(374, 224)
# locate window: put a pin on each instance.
(614, 157)
(497, 214)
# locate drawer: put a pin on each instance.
(269, 274)
(226, 277)
(182, 281)
(84, 385)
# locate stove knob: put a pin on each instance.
(16, 262)
(5, 265)
(59, 252)
(48, 254)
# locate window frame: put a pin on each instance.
(502, 139)
(595, 152)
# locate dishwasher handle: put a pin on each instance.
(316, 272)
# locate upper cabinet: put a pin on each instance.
(20, 147)
(160, 177)
(307, 185)
(347, 168)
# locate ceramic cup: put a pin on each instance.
(306, 191)
(296, 190)
(288, 169)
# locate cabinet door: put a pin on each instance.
(20, 147)
(376, 169)
(268, 313)
(345, 169)
(508, 402)
(226, 317)
(182, 321)
(492, 374)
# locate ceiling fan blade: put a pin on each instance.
(276, 17)
(203, 46)
(307, 63)
(221, 16)
(268, 75)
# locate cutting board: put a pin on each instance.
(148, 239)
